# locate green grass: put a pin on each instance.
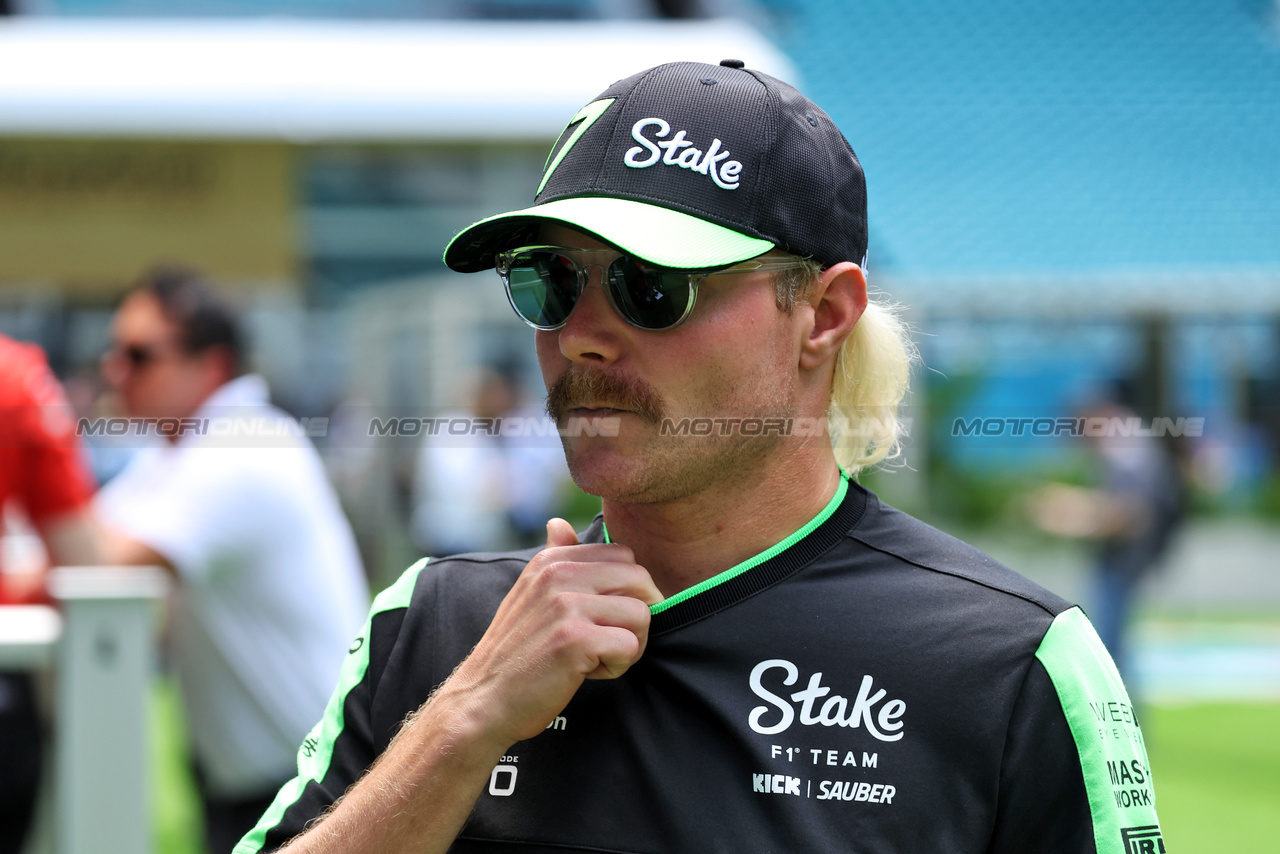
(1216, 768)
(176, 826)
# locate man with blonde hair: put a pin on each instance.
(746, 651)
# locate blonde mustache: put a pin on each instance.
(596, 390)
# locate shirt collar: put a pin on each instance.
(248, 390)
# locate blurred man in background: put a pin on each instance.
(495, 487)
(44, 484)
(236, 504)
(1129, 517)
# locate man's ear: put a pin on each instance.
(838, 297)
(218, 365)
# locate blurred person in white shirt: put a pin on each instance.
(234, 501)
(492, 484)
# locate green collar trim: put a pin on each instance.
(767, 554)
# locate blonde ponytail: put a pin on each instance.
(872, 373)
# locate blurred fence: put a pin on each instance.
(99, 652)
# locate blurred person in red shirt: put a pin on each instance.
(43, 470)
(45, 480)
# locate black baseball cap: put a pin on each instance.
(693, 166)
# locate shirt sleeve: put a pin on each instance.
(1042, 805)
(1076, 776)
(342, 746)
(52, 474)
(203, 509)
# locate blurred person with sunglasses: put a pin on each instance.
(747, 650)
(232, 498)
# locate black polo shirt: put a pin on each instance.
(870, 684)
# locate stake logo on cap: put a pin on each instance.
(693, 166)
(725, 175)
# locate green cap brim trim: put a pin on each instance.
(655, 234)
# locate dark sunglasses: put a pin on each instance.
(543, 284)
(135, 356)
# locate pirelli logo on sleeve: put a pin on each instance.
(1142, 840)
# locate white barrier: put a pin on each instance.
(104, 664)
(28, 636)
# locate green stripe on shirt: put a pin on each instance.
(1107, 734)
(316, 752)
(767, 554)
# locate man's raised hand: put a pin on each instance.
(576, 612)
